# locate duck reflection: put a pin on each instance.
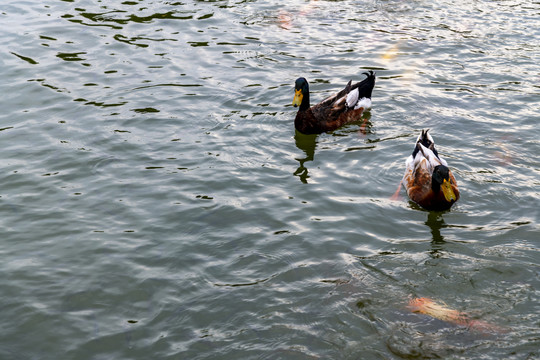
(435, 221)
(306, 143)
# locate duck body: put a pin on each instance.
(428, 180)
(344, 107)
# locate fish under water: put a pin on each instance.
(429, 307)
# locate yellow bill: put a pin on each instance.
(297, 97)
(447, 190)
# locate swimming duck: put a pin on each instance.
(341, 108)
(428, 180)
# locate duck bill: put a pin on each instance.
(447, 190)
(297, 101)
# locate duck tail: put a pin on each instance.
(365, 87)
(419, 140)
(425, 139)
(370, 74)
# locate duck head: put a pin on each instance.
(441, 182)
(301, 93)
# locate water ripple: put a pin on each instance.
(157, 201)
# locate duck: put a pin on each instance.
(427, 179)
(343, 107)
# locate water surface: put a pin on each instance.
(156, 201)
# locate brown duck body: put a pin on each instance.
(333, 112)
(318, 120)
(427, 179)
(418, 183)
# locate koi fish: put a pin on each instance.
(429, 307)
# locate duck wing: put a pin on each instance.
(333, 106)
(336, 98)
(342, 101)
(418, 172)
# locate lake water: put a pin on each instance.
(156, 202)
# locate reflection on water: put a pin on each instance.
(308, 144)
(133, 225)
(435, 222)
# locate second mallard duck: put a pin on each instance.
(428, 180)
(341, 108)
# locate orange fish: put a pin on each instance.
(285, 20)
(429, 307)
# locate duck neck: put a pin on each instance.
(305, 101)
(435, 186)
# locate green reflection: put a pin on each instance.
(306, 143)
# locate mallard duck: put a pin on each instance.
(341, 108)
(428, 180)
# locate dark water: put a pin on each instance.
(156, 202)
